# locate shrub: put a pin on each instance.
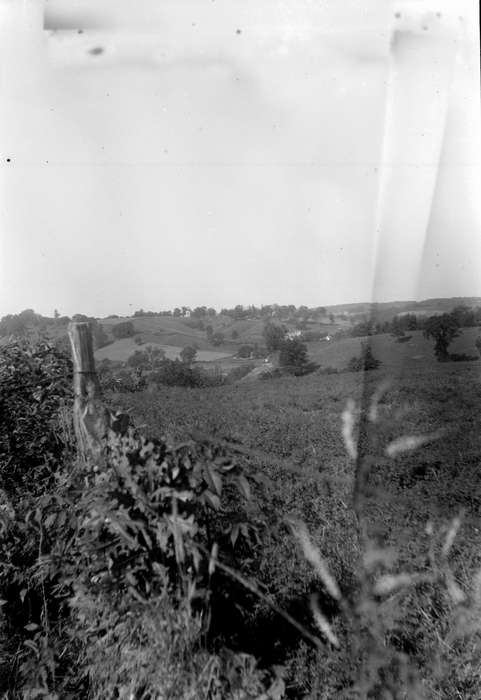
(443, 330)
(462, 357)
(110, 576)
(237, 373)
(365, 362)
(217, 339)
(187, 354)
(245, 351)
(35, 385)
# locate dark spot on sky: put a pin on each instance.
(80, 31)
(96, 51)
(438, 14)
(397, 15)
(425, 27)
(9, 160)
(238, 31)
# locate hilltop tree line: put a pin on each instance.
(462, 316)
(241, 313)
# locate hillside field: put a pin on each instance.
(292, 431)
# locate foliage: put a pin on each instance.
(239, 372)
(443, 330)
(126, 329)
(188, 354)
(273, 336)
(176, 373)
(245, 351)
(148, 359)
(365, 361)
(109, 572)
(293, 357)
(216, 339)
(35, 384)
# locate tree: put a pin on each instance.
(149, 359)
(274, 336)
(245, 351)
(217, 339)
(235, 334)
(13, 325)
(293, 356)
(365, 362)
(443, 330)
(126, 329)
(187, 354)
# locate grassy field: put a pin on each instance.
(122, 349)
(395, 356)
(292, 431)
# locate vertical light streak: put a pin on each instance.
(423, 49)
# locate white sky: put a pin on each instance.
(329, 152)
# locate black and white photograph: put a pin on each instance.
(240, 350)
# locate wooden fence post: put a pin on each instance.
(92, 419)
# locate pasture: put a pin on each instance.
(121, 350)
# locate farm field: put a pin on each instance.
(291, 429)
(395, 356)
(122, 349)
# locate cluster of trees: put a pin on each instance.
(284, 312)
(215, 338)
(398, 325)
(22, 324)
(293, 356)
(125, 329)
(461, 316)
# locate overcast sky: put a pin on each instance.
(218, 152)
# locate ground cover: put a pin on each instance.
(291, 429)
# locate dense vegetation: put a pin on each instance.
(309, 537)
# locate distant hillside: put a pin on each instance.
(385, 310)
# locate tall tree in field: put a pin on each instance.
(293, 355)
(273, 336)
(443, 330)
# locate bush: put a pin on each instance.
(188, 354)
(245, 351)
(462, 357)
(111, 576)
(365, 362)
(237, 373)
(35, 387)
(176, 373)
